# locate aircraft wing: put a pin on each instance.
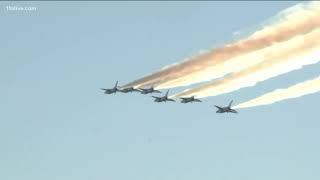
(234, 111)
(219, 107)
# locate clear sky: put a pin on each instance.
(56, 123)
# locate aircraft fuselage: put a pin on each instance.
(148, 91)
(109, 91)
(126, 90)
(190, 100)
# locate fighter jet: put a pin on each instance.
(148, 91)
(163, 98)
(111, 91)
(226, 109)
(130, 89)
(189, 99)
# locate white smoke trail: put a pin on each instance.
(283, 58)
(301, 20)
(298, 90)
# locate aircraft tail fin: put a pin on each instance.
(116, 85)
(230, 104)
(167, 93)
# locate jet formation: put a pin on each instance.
(117, 89)
(130, 89)
(164, 98)
(148, 91)
(112, 90)
(226, 109)
(189, 99)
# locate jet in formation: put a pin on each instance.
(226, 109)
(148, 91)
(163, 98)
(112, 90)
(189, 99)
(129, 89)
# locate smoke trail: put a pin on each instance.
(289, 56)
(298, 90)
(303, 19)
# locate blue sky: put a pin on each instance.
(56, 123)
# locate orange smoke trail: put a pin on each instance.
(302, 20)
(293, 54)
